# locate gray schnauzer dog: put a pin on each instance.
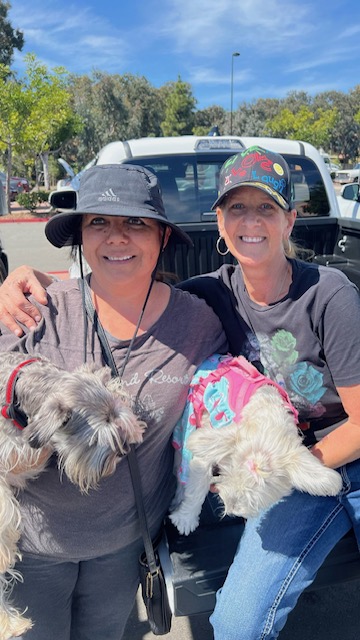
(85, 417)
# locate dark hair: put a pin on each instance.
(77, 237)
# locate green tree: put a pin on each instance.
(210, 117)
(344, 138)
(35, 113)
(52, 118)
(10, 38)
(250, 118)
(112, 107)
(15, 109)
(179, 109)
(144, 106)
(311, 126)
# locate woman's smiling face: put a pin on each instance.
(121, 249)
(253, 226)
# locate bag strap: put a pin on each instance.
(132, 457)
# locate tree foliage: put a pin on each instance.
(10, 38)
(210, 117)
(36, 114)
(314, 126)
(112, 107)
(179, 109)
(250, 119)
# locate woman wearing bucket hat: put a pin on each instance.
(80, 552)
(294, 312)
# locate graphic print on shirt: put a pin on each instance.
(302, 381)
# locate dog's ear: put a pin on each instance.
(213, 444)
(53, 414)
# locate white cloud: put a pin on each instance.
(332, 56)
(207, 26)
(206, 75)
(76, 38)
(350, 32)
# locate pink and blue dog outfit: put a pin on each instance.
(221, 386)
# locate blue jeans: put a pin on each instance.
(278, 557)
(86, 600)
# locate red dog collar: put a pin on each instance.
(11, 410)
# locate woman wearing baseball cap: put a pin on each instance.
(293, 315)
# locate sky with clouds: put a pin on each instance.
(284, 45)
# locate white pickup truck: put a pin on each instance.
(343, 176)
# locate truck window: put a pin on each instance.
(309, 191)
(190, 183)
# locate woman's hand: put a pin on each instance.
(33, 463)
(15, 308)
(343, 444)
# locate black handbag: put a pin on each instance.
(153, 587)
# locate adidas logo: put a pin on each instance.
(109, 196)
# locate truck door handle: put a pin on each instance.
(342, 243)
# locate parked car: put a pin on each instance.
(17, 185)
(349, 201)
(332, 167)
(348, 175)
(72, 179)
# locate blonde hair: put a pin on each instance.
(293, 250)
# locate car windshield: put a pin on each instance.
(190, 184)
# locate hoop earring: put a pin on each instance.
(221, 253)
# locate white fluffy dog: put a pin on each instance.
(254, 462)
(85, 417)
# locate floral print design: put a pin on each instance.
(302, 381)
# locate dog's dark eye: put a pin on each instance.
(215, 470)
(66, 420)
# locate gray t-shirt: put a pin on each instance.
(308, 342)
(59, 521)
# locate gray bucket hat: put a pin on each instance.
(113, 190)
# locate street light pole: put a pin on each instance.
(234, 55)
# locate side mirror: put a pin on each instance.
(64, 199)
(351, 192)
